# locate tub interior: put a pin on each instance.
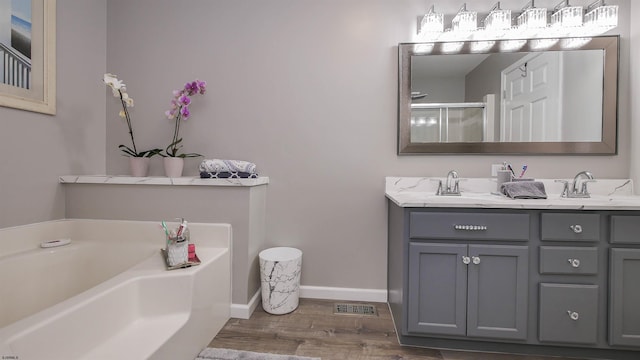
(126, 315)
(38, 278)
(113, 297)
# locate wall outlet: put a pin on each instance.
(495, 168)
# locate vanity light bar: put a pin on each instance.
(432, 22)
(601, 15)
(566, 21)
(532, 18)
(498, 19)
(565, 15)
(465, 20)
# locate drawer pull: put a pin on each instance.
(466, 260)
(576, 228)
(475, 260)
(574, 262)
(573, 315)
(470, 227)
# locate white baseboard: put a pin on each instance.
(346, 294)
(242, 311)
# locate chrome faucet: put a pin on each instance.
(451, 187)
(579, 181)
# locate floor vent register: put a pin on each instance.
(355, 309)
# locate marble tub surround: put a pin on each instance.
(239, 202)
(481, 192)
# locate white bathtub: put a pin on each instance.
(108, 295)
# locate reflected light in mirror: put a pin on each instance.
(481, 46)
(424, 48)
(542, 44)
(512, 45)
(452, 47)
(573, 43)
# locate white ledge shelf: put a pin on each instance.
(160, 180)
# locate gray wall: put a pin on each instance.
(306, 89)
(37, 148)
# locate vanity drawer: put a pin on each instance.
(570, 227)
(469, 226)
(625, 229)
(568, 260)
(568, 313)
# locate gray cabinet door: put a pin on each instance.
(624, 312)
(498, 291)
(437, 289)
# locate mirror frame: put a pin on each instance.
(608, 145)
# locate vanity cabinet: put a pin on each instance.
(532, 281)
(468, 290)
(624, 262)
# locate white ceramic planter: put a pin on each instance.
(139, 166)
(173, 166)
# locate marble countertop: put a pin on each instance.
(606, 194)
(159, 180)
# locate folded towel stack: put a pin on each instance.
(227, 169)
(524, 190)
(228, 175)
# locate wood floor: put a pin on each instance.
(313, 330)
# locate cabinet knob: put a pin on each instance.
(576, 228)
(574, 262)
(466, 260)
(573, 315)
(475, 260)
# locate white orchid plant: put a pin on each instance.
(120, 91)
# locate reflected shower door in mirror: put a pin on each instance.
(448, 122)
(556, 100)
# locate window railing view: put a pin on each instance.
(16, 68)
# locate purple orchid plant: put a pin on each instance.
(180, 111)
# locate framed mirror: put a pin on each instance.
(536, 96)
